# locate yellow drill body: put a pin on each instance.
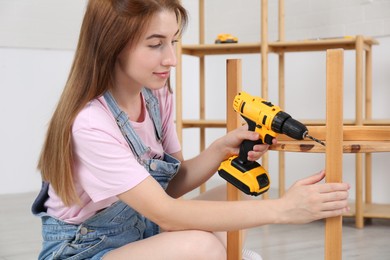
(257, 110)
(268, 120)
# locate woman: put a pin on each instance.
(112, 165)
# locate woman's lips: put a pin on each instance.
(163, 75)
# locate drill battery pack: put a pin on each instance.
(251, 178)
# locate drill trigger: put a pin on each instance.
(268, 139)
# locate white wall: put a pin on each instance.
(31, 81)
(43, 24)
(36, 54)
(37, 41)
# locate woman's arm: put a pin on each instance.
(199, 169)
(305, 201)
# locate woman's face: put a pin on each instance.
(149, 61)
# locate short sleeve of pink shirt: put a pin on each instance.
(104, 164)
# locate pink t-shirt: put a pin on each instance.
(104, 164)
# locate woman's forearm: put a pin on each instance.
(221, 215)
(181, 214)
(195, 171)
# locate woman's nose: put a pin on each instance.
(169, 58)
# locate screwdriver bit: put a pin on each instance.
(315, 139)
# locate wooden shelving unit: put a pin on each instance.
(359, 133)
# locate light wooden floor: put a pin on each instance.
(20, 236)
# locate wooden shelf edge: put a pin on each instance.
(347, 43)
(319, 122)
(371, 210)
(365, 122)
(204, 123)
(348, 146)
(350, 133)
(366, 138)
(219, 49)
(376, 122)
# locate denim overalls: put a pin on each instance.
(118, 224)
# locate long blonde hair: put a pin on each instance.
(107, 27)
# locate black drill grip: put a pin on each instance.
(245, 147)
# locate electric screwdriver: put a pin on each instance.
(268, 120)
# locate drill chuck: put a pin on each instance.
(283, 123)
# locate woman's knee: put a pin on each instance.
(204, 245)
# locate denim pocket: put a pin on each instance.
(85, 250)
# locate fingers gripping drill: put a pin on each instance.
(268, 120)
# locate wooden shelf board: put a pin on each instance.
(218, 49)
(356, 138)
(376, 122)
(319, 45)
(204, 123)
(348, 146)
(308, 122)
(350, 133)
(372, 210)
(282, 46)
(365, 122)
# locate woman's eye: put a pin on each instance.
(155, 45)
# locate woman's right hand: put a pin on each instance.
(308, 200)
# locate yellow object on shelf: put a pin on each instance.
(226, 38)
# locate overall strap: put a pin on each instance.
(136, 145)
(154, 111)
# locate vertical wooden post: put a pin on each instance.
(359, 121)
(264, 49)
(264, 69)
(368, 115)
(234, 79)
(334, 145)
(202, 83)
(282, 97)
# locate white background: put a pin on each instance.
(38, 38)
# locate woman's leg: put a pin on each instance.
(191, 244)
(220, 193)
(216, 194)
